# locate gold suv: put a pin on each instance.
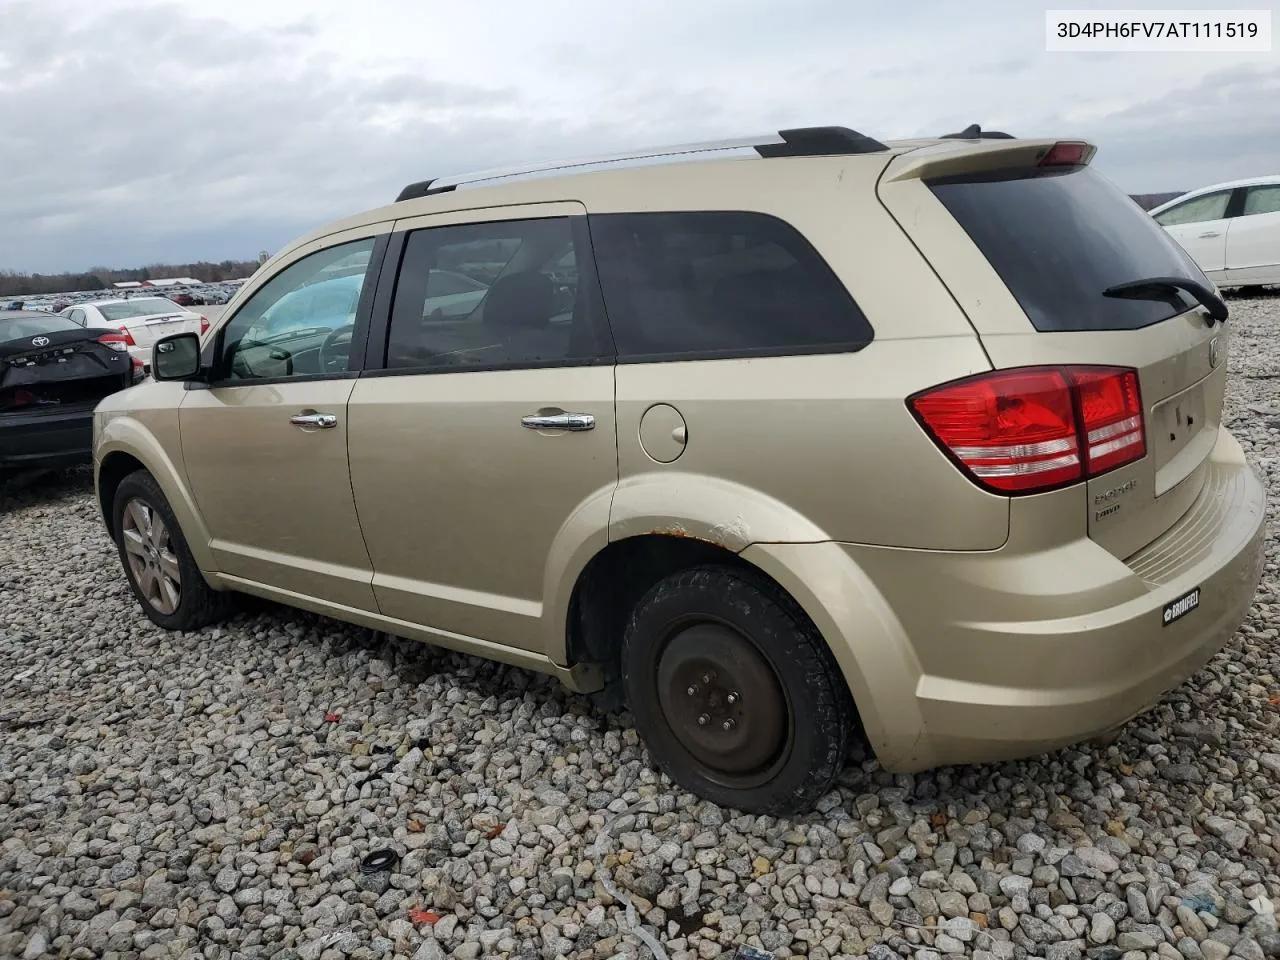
(769, 439)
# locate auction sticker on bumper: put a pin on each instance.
(1179, 608)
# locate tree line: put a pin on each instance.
(14, 284)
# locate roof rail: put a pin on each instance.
(796, 142)
(975, 132)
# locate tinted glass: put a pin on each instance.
(489, 294)
(1058, 239)
(299, 322)
(1262, 200)
(1212, 206)
(33, 325)
(144, 307)
(719, 284)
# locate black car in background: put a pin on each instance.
(53, 372)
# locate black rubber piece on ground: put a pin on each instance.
(822, 715)
(199, 604)
(379, 861)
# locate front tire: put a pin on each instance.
(157, 562)
(735, 693)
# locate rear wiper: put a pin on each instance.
(1160, 288)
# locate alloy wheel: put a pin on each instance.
(152, 562)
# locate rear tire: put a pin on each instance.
(735, 693)
(157, 562)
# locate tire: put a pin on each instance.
(735, 693)
(197, 604)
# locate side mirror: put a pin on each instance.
(176, 357)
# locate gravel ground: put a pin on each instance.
(170, 795)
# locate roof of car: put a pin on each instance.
(640, 175)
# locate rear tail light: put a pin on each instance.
(204, 325)
(117, 341)
(138, 369)
(1032, 429)
(1068, 153)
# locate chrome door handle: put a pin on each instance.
(560, 421)
(314, 420)
(1210, 235)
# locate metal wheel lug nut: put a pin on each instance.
(732, 698)
(728, 725)
(703, 720)
(693, 690)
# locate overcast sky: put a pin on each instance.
(143, 132)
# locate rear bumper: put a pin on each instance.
(46, 439)
(978, 657)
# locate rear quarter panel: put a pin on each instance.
(804, 448)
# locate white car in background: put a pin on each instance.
(137, 321)
(1231, 230)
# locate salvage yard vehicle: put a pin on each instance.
(139, 321)
(1231, 229)
(52, 375)
(802, 433)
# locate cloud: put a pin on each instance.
(135, 133)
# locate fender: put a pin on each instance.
(866, 638)
(729, 515)
(124, 433)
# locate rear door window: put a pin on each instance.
(1058, 239)
(1212, 206)
(1262, 200)
(719, 284)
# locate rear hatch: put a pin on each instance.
(1029, 238)
(59, 371)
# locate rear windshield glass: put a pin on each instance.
(1058, 239)
(16, 328)
(146, 307)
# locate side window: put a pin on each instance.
(77, 316)
(1262, 200)
(299, 323)
(1212, 206)
(719, 284)
(490, 294)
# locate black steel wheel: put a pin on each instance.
(734, 692)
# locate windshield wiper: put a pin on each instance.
(1162, 288)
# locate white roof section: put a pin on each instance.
(127, 284)
(176, 282)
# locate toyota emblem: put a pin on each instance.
(39, 341)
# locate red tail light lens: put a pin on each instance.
(1032, 429)
(1111, 417)
(204, 326)
(116, 341)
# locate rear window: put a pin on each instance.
(1058, 239)
(719, 284)
(16, 328)
(147, 307)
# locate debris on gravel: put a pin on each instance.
(216, 794)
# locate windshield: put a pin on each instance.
(1058, 239)
(144, 307)
(16, 328)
